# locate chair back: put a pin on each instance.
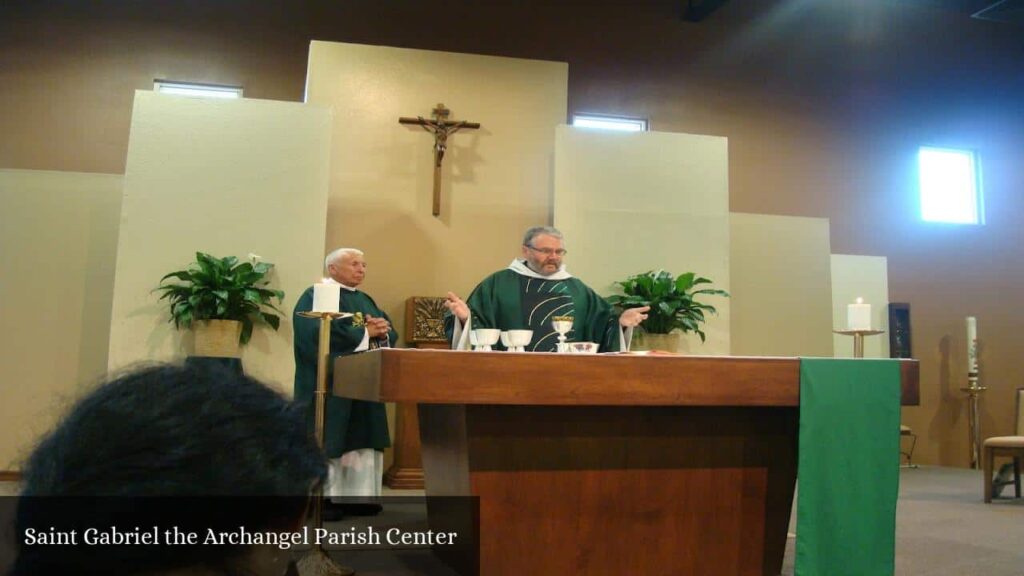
(1020, 412)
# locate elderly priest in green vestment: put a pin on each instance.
(531, 292)
(355, 432)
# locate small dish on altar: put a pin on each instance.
(582, 347)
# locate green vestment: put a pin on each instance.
(350, 424)
(508, 300)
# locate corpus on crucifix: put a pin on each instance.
(441, 127)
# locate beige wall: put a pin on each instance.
(781, 286)
(228, 178)
(58, 238)
(864, 277)
(632, 202)
(496, 180)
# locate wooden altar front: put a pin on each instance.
(607, 464)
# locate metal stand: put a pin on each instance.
(974, 391)
(858, 339)
(317, 562)
(908, 432)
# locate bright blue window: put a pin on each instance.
(950, 186)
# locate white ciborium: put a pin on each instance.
(562, 325)
(485, 338)
(518, 340)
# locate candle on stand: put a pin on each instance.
(972, 345)
(326, 296)
(858, 315)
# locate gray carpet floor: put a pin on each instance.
(943, 528)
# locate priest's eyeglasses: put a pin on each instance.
(549, 251)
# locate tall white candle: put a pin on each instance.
(326, 296)
(858, 315)
(972, 345)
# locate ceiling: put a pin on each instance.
(1008, 11)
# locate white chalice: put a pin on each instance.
(485, 338)
(518, 340)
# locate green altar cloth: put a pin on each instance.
(848, 467)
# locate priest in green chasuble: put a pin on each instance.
(531, 292)
(355, 431)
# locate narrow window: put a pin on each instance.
(602, 122)
(197, 90)
(950, 186)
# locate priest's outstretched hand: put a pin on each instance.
(632, 317)
(457, 306)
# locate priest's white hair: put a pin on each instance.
(541, 230)
(339, 254)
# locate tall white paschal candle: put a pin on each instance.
(858, 316)
(972, 345)
(326, 296)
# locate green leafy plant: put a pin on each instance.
(673, 300)
(222, 289)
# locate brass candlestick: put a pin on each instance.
(974, 390)
(317, 561)
(858, 339)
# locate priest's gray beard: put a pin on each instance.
(356, 473)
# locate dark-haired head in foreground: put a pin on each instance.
(194, 447)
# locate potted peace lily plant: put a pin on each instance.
(221, 299)
(674, 307)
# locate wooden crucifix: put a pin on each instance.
(441, 127)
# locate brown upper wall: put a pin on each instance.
(69, 68)
(824, 105)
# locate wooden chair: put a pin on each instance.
(1006, 446)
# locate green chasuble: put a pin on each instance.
(508, 300)
(350, 424)
(849, 467)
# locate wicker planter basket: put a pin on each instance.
(218, 338)
(671, 342)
